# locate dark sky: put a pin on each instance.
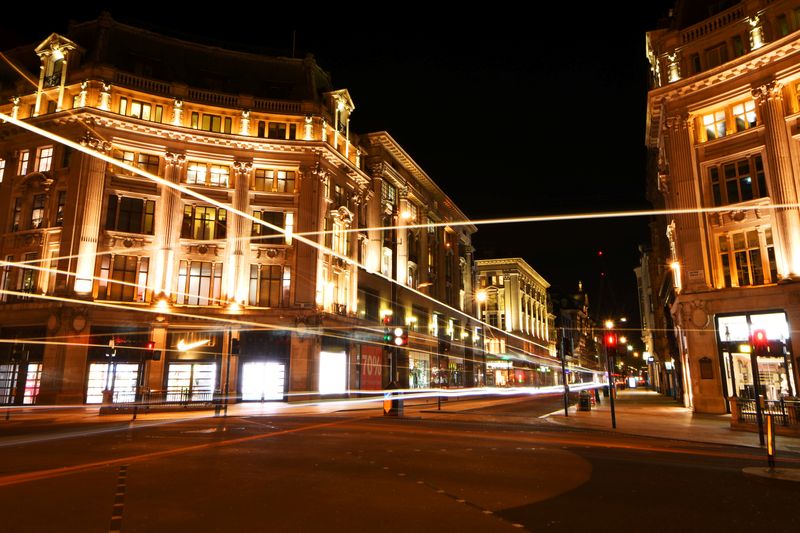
(511, 115)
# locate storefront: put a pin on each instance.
(116, 356)
(498, 372)
(419, 370)
(738, 363)
(371, 367)
(21, 365)
(333, 366)
(449, 372)
(264, 364)
(193, 360)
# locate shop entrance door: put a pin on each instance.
(263, 381)
(19, 383)
(120, 378)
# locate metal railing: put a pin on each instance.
(784, 411)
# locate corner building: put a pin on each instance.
(99, 262)
(722, 127)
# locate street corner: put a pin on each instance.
(785, 477)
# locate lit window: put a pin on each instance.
(44, 158)
(131, 215)
(141, 110)
(37, 211)
(196, 173)
(148, 163)
(738, 181)
(268, 286)
(388, 193)
(265, 232)
(2, 169)
(16, 219)
(199, 283)
(268, 180)
(219, 176)
(277, 130)
(204, 223)
(203, 174)
(744, 115)
(62, 203)
(748, 258)
(714, 124)
(24, 156)
(122, 278)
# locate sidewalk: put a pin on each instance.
(647, 413)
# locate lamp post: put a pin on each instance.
(609, 343)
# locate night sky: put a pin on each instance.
(510, 115)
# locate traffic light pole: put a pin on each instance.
(611, 388)
(394, 352)
(564, 375)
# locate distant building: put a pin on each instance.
(576, 331)
(721, 127)
(513, 302)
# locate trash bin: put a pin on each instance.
(584, 401)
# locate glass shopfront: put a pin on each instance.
(774, 371)
(264, 364)
(21, 365)
(116, 357)
(419, 370)
(263, 381)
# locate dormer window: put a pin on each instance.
(53, 70)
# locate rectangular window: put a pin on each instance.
(196, 173)
(220, 176)
(62, 203)
(37, 211)
(738, 185)
(204, 223)
(123, 106)
(714, 124)
(259, 230)
(122, 278)
(268, 180)
(28, 276)
(716, 56)
(22, 167)
(5, 278)
(44, 158)
(292, 131)
(159, 115)
(695, 62)
(129, 158)
(199, 283)
(277, 130)
(211, 123)
(141, 110)
(782, 23)
(148, 163)
(388, 193)
(738, 46)
(195, 120)
(744, 115)
(745, 260)
(226, 128)
(2, 169)
(266, 285)
(17, 218)
(131, 215)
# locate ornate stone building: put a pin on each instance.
(240, 260)
(722, 125)
(519, 346)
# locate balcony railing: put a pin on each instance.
(784, 411)
(705, 27)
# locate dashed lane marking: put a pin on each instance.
(119, 501)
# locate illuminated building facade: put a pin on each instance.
(721, 125)
(99, 261)
(515, 306)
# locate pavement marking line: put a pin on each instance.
(596, 444)
(15, 479)
(119, 501)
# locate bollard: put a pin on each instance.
(770, 442)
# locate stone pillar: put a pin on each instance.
(177, 112)
(782, 184)
(402, 238)
(154, 380)
(93, 180)
(40, 88)
(15, 107)
(169, 216)
(64, 365)
(513, 314)
(62, 82)
(238, 239)
(683, 193)
(303, 366)
(82, 95)
(308, 128)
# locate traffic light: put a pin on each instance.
(760, 342)
(400, 336)
(150, 351)
(610, 340)
(388, 337)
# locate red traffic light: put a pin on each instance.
(150, 346)
(760, 341)
(387, 320)
(610, 340)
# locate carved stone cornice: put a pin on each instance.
(675, 122)
(772, 90)
(90, 141)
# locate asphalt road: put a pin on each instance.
(357, 471)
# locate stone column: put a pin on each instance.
(782, 185)
(92, 181)
(169, 216)
(238, 239)
(62, 82)
(40, 88)
(245, 123)
(105, 97)
(513, 314)
(683, 193)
